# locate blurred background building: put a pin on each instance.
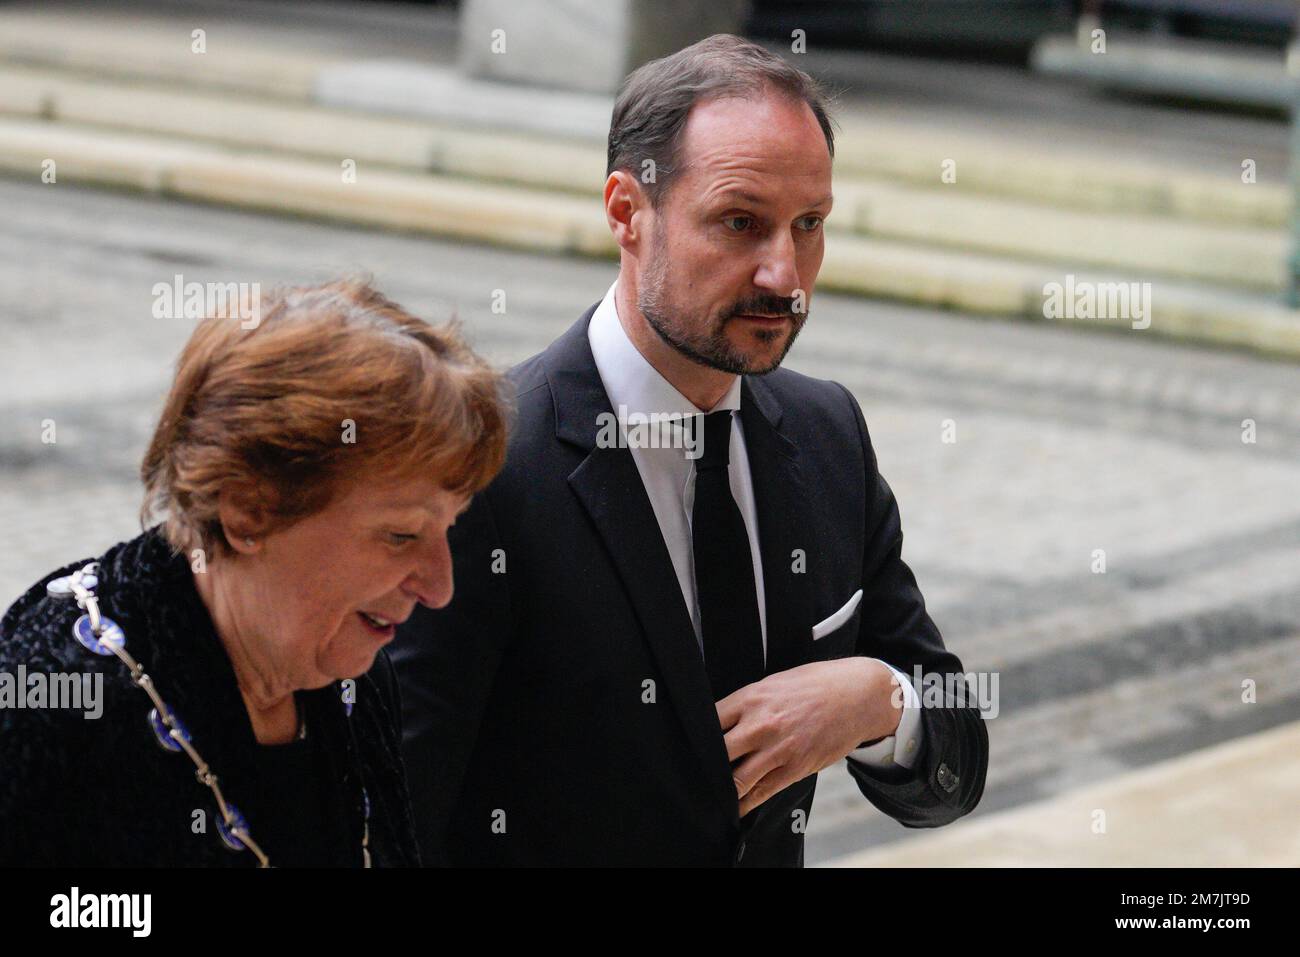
(1100, 508)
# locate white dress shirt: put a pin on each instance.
(668, 474)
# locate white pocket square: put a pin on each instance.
(824, 628)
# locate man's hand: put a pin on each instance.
(794, 723)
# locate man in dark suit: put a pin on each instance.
(667, 622)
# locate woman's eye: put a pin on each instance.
(744, 221)
(403, 536)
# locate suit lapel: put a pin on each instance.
(609, 486)
(782, 503)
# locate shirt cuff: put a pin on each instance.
(901, 748)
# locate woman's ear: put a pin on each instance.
(245, 516)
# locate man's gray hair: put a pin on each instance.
(655, 100)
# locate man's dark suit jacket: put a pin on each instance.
(558, 710)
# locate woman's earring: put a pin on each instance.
(248, 542)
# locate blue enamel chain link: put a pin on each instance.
(103, 636)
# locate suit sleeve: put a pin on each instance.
(446, 662)
(947, 780)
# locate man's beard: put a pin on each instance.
(706, 342)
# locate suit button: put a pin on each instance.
(740, 852)
(947, 780)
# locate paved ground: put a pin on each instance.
(1184, 812)
(1067, 441)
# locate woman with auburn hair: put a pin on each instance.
(304, 474)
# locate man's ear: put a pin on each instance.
(627, 207)
(245, 515)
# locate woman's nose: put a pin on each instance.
(431, 581)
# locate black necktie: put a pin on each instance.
(724, 570)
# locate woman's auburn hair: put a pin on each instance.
(335, 381)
